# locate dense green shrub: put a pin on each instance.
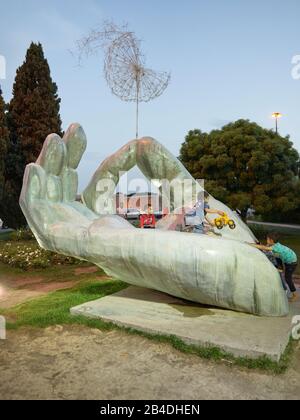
(30, 256)
(247, 166)
(21, 235)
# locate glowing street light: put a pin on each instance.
(276, 115)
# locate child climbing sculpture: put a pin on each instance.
(288, 258)
(198, 215)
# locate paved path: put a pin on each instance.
(80, 363)
(279, 225)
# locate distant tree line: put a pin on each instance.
(25, 122)
(247, 166)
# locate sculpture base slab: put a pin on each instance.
(158, 313)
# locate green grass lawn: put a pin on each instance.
(54, 308)
(4, 236)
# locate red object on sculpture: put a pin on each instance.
(147, 220)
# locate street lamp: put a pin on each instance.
(276, 115)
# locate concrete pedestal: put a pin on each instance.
(157, 313)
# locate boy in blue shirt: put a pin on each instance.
(287, 256)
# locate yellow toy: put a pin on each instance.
(223, 221)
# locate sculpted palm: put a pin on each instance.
(224, 272)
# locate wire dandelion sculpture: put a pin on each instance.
(125, 65)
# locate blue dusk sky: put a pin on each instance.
(229, 59)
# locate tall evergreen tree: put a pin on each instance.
(34, 109)
(11, 167)
(10, 211)
(33, 113)
(4, 138)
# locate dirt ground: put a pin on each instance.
(76, 362)
(19, 289)
(73, 362)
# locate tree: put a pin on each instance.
(245, 166)
(34, 109)
(4, 138)
(11, 169)
(294, 215)
(33, 113)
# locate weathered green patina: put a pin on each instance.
(224, 272)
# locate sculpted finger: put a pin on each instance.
(51, 159)
(52, 155)
(34, 185)
(155, 161)
(107, 177)
(76, 142)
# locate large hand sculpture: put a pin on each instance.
(223, 272)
